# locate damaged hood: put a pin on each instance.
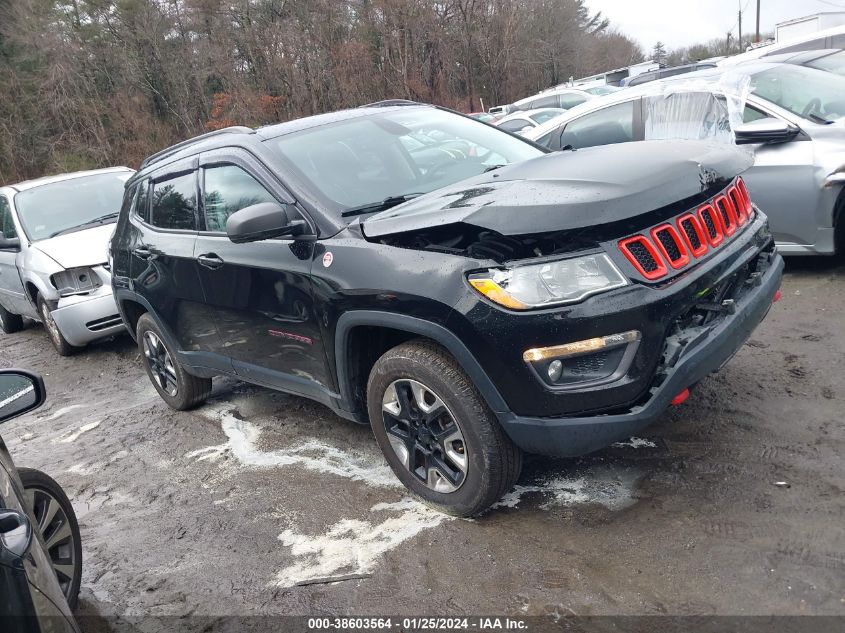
(80, 248)
(572, 189)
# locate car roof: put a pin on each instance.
(802, 57)
(48, 180)
(555, 91)
(771, 49)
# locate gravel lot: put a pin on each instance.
(249, 504)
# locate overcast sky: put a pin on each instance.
(682, 22)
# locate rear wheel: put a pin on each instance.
(437, 432)
(10, 323)
(179, 389)
(56, 337)
(56, 521)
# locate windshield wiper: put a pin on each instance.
(492, 167)
(98, 220)
(384, 205)
(817, 118)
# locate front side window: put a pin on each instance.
(515, 125)
(70, 205)
(367, 159)
(614, 124)
(810, 93)
(7, 225)
(174, 202)
(229, 189)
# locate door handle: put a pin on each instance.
(210, 260)
(142, 253)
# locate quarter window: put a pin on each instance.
(229, 189)
(614, 124)
(571, 100)
(174, 203)
(7, 225)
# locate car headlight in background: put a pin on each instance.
(549, 283)
(75, 281)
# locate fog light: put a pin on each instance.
(555, 369)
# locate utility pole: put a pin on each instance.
(757, 37)
(740, 29)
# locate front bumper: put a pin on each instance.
(707, 353)
(85, 318)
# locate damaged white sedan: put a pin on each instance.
(53, 255)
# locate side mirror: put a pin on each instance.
(263, 221)
(10, 243)
(15, 533)
(765, 130)
(20, 392)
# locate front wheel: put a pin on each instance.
(56, 337)
(179, 389)
(437, 432)
(10, 323)
(56, 521)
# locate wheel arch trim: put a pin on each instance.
(437, 333)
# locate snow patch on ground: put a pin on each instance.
(60, 412)
(242, 444)
(605, 486)
(352, 546)
(72, 436)
(635, 442)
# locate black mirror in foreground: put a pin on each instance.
(20, 391)
(15, 534)
(766, 130)
(263, 221)
(10, 243)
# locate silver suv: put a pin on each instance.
(53, 255)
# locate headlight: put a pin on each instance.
(75, 281)
(550, 283)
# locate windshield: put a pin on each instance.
(61, 207)
(807, 92)
(368, 160)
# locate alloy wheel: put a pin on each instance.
(160, 363)
(425, 435)
(55, 529)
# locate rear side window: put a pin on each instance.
(614, 124)
(550, 101)
(571, 100)
(174, 203)
(7, 225)
(229, 189)
(515, 125)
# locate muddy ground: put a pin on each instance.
(246, 505)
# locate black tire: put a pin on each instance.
(179, 389)
(53, 333)
(10, 323)
(492, 463)
(66, 552)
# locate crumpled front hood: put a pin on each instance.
(80, 248)
(570, 190)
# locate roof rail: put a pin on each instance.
(387, 103)
(169, 151)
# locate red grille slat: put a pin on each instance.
(674, 245)
(645, 258)
(670, 245)
(691, 231)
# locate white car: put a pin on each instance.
(793, 120)
(563, 98)
(832, 38)
(520, 122)
(54, 255)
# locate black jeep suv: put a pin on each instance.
(467, 294)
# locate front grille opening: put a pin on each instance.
(104, 323)
(643, 256)
(738, 204)
(726, 212)
(712, 224)
(669, 243)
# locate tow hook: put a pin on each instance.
(778, 295)
(681, 397)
